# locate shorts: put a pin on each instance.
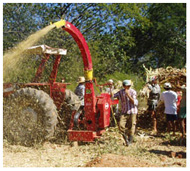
(152, 105)
(171, 117)
(182, 113)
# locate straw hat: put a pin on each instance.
(81, 80)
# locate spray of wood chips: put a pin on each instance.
(13, 56)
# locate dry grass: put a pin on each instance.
(155, 151)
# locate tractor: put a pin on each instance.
(33, 110)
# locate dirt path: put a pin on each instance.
(109, 151)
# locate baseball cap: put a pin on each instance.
(110, 81)
(167, 85)
(127, 83)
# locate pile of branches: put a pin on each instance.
(174, 76)
(168, 74)
(171, 75)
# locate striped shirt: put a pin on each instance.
(127, 106)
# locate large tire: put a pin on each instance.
(30, 117)
(71, 103)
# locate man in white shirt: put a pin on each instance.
(170, 98)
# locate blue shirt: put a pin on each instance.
(80, 91)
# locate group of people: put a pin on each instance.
(129, 105)
(175, 107)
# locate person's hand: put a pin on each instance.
(127, 92)
(129, 96)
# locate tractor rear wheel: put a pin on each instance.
(30, 117)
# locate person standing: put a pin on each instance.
(80, 89)
(111, 86)
(129, 103)
(169, 98)
(154, 96)
(182, 110)
(179, 97)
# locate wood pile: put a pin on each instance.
(171, 75)
(168, 74)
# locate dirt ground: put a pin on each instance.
(146, 152)
(162, 150)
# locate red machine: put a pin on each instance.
(95, 116)
(97, 108)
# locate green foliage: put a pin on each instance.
(138, 81)
(121, 36)
(169, 31)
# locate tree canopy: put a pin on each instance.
(121, 36)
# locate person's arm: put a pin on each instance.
(161, 100)
(149, 86)
(176, 97)
(83, 91)
(159, 92)
(179, 86)
(161, 97)
(116, 95)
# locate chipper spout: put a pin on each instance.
(60, 23)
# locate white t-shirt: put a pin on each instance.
(170, 98)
